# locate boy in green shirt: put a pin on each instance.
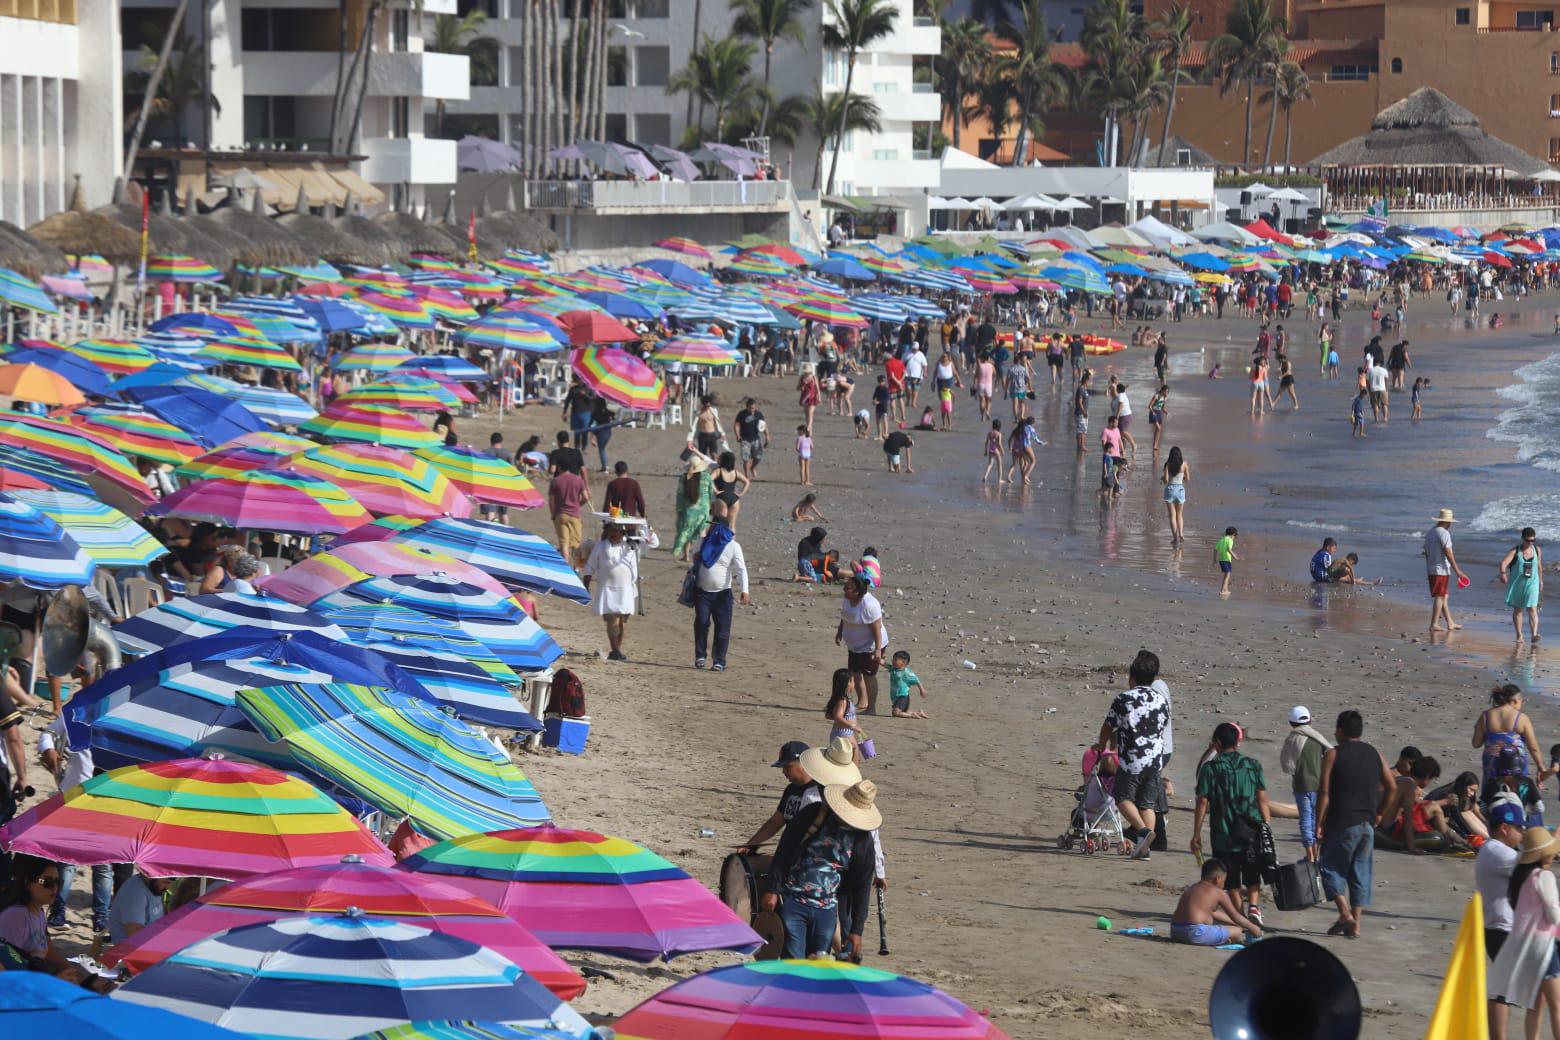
(1224, 552)
(900, 679)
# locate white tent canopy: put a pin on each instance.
(1160, 233)
(1071, 204)
(985, 203)
(1224, 231)
(1288, 195)
(1120, 236)
(1034, 200)
(1258, 189)
(957, 159)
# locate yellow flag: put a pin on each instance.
(1461, 1011)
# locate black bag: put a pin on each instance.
(690, 583)
(1298, 886)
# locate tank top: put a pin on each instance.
(1495, 739)
(1354, 790)
(1178, 478)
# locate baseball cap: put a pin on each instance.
(790, 751)
(1507, 812)
(1299, 715)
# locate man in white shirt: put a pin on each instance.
(717, 565)
(1492, 877)
(1378, 376)
(915, 370)
(1440, 565)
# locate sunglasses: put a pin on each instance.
(48, 882)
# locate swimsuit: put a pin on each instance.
(1494, 740)
(1200, 934)
(725, 490)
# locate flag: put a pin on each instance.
(1377, 209)
(1461, 1011)
(146, 217)
(471, 237)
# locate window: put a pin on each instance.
(654, 9)
(886, 154)
(400, 29)
(145, 27)
(1351, 72)
(1183, 157)
(1554, 149)
(400, 117)
(617, 126)
(1397, 66)
(268, 118)
(285, 29)
(617, 66)
(651, 128)
(1535, 19)
(516, 66)
(652, 66)
(484, 64)
(1464, 16)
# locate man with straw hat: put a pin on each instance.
(804, 787)
(1440, 565)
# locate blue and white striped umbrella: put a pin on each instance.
(742, 310)
(36, 551)
(103, 532)
(517, 559)
(175, 343)
(882, 308)
(277, 407)
(456, 369)
(472, 693)
(374, 323)
(338, 977)
(271, 307)
(368, 623)
(698, 310)
(499, 624)
(192, 617)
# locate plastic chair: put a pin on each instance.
(656, 420)
(106, 584)
(673, 414)
(141, 595)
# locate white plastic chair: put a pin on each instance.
(141, 595)
(106, 584)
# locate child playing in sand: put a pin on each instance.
(1216, 372)
(900, 680)
(869, 568)
(928, 419)
(1414, 395)
(804, 446)
(863, 424)
(807, 509)
(993, 452)
(1224, 552)
(1206, 917)
(1332, 364)
(841, 711)
(1357, 412)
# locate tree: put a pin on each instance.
(1291, 86)
(852, 26)
(153, 83)
(961, 68)
(455, 35)
(1171, 36)
(181, 83)
(1027, 73)
(1244, 52)
(718, 75)
(768, 21)
(836, 115)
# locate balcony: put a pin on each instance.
(402, 74)
(657, 196)
(908, 107)
(409, 160)
(889, 175)
(910, 38)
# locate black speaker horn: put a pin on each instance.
(1284, 989)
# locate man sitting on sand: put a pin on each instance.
(1206, 917)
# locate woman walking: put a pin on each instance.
(1158, 408)
(1503, 725)
(1173, 476)
(693, 505)
(1527, 968)
(808, 395)
(1522, 569)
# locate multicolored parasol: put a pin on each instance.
(696, 350)
(32, 382)
(193, 617)
(406, 311)
(759, 264)
(119, 356)
(514, 557)
(242, 454)
(372, 424)
(466, 1029)
(778, 1000)
(686, 246)
(81, 450)
(372, 357)
(36, 551)
(495, 331)
(107, 536)
(270, 404)
(176, 267)
(443, 304)
(484, 477)
(135, 431)
(581, 890)
(385, 481)
(410, 397)
(827, 311)
(619, 377)
(17, 290)
(267, 500)
(326, 572)
(192, 817)
(380, 893)
(262, 353)
(375, 624)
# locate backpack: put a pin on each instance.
(567, 696)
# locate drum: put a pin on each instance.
(744, 880)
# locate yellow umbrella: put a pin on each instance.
(28, 382)
(1210, 278)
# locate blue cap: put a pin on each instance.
(1507, 812)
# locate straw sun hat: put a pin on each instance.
(1445, 517)
(833, 764)
(1537, 842)
(857, 805)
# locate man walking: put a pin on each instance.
(1355, 784)
(752, 437)
(1492, 877)
(1301, 757)
(567, 494)
(1440, 565)
(1232, 794)
(1081, 408)
(719, 559)
(624, 493)
(1136, 725)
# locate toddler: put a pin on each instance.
(900, 680)
(804, 447)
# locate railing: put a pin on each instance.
(654, 194)
(1438, 204)
(287, 144)
(922, 153)
(922, 21)
(1546, 27)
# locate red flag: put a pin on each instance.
(471, 237)
(146, 217)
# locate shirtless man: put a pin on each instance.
(1407, 816)
(1206, 917)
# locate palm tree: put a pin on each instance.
(836, 115)
(1148, 88)
(455, 35)
(154, 84)
(852, 26)
(1171, 34)
(768, 21)
(961, 68)
(1113, 40)
(1030, 77)
(1291, 86)
(1239, 56)
(1270, 72)
(719, 75)
(181, 84)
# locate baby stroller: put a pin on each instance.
(1096, 824)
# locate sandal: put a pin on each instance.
(1338, 928)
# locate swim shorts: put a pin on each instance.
(1081, 423)
(752, 451)
(1226, 566)
(902, 703)
(1175, 492)
(1200, 934)
(1440, 585)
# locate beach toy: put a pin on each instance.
(1102, 923)
(1137, 931)
(1464, 581)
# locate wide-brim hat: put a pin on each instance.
(833, 764)
(1445, 517)
(698, 464)
(1537, 842)
(857, 804)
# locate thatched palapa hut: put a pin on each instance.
(22, 252)
(375, 244)
(319, 236)
(171, 234)
(82, 232)
(417, 236)
(265, 242)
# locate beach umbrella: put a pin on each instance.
(466, 1029)
(379, 892)
(264, 450)
(736, 309)
(17, 290)
(234, 350)
(330, 315)
(81, 373)
(880, 308)
(827, 311)
(267, 500)
(196, 322)
(841, 265)
(81, 450)
(36, 551)
(448, 367)
(619, 377)
(35, 1004)
(385, 481)
(494, 620)
(25, 469)
(514, 557)
(678, 272)
(269, 404)
(498, 331)
(372, 357)
(343, 565)
(135, 431)
(695, 350)
(339, 976)
(208, 417)
(184, 618)
(407, 397)
(442, 303)
(581, 890)
(586, 327)
(621, 306)
(483, 477)
(117, 356)
(159, 373)
(813, 998)
(31, 382)
(372, 424)
(406, 311)
(176, 267)
(192, 817)
(686, 246)
(398, 754)
(174, 342)
(455, 681)
(107, 536)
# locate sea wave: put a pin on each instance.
(1533, 425)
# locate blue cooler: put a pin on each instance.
(566, 734)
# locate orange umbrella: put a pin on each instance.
(30, 382)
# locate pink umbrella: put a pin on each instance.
(331, 571)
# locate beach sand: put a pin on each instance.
(1050, 596)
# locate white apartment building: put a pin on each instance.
(274, 72)
(59, 104)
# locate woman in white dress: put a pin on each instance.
(1528, 965)
(612, 575)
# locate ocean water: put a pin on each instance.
(1531, 424)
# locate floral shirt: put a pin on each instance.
(815, 878)
(1140, 716)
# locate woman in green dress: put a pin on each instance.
(693, 505)
(1522, 569)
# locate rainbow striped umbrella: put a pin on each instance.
(372, 423)
(397, 754)
(107, 536)
(443, 304)
(22, 469)
(17, 290)
(375, 277)
(192, 817)
(119, 356)
(696, 350)
(484, 477)
(827, 311)
(619, 377)
(759, 264)
(91, 265)
(385, 481)
(432, 262)
(241, 454)
(515, 267)
(440, 382)
(319, 271)
(81, 450)
(985, 281)
(497, 332)
(465, 1029)
(779, 1000)
(427, 396)
(686, 246)
(135, 431)
(379, 892)
(176, 267)
(327, 572)
(407, 311)
(262, 353)
(267, 500)
(581, 890)
(372, 357)
(474, 285)
(36, 551)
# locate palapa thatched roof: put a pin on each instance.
(514, 230)
(21, 252)
(416, 236)
(318, 235)
(374, 244)
(1427, 128)
(170, 234)
(80, 231)
(264, 241)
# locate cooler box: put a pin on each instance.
(1298, 886)
(566, 734)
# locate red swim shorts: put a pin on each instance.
(1440, 584)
